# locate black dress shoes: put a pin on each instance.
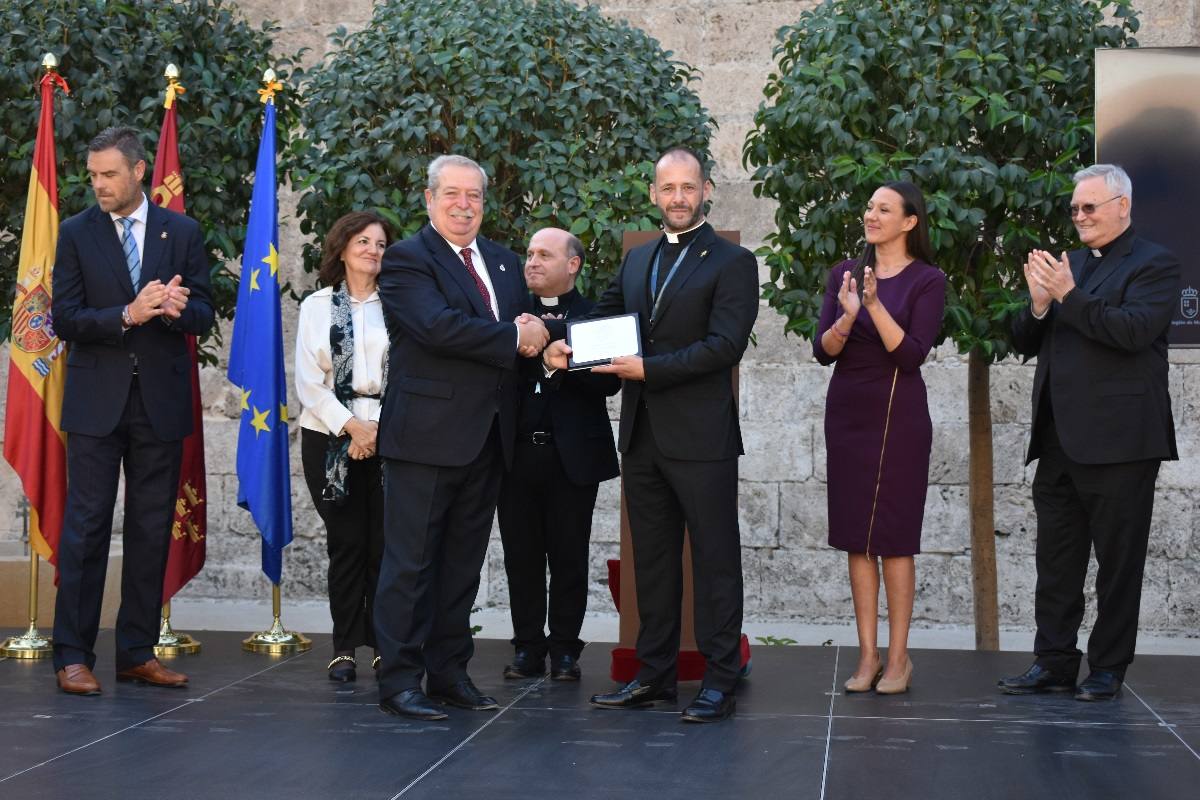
(412, 703)
(1100, 685)
(464, 694)
(564, 668)
(526, 665)
(1036, 680)
(634, 694)
(710, 706)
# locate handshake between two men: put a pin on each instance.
(533, 337)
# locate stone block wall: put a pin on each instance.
(790, 572)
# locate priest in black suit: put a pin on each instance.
(1097, 321)
(130, 279)
(446, 433)
(564, 451)
(696, 297)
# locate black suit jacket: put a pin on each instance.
(1102, 357)
(578, 414)
(690, 348)
(92, 286)
(451, 367)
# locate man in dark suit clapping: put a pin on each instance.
(1097, 322)
(130, 279)
(446, 434)
(696, 297)
(564, 450)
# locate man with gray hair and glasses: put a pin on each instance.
(1097, 321)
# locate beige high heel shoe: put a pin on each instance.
(897, 686)
(855, 684)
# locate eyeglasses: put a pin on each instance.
(1087, 209)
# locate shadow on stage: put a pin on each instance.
(259, 726)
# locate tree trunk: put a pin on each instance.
(983, 523)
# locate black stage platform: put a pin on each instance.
(257, 726)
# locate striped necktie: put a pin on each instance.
(132, 259)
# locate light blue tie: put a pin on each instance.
(132, 259)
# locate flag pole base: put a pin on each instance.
(277, 641)
(30, 644)
(171, 642)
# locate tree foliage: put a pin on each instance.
(987, 106)
(113, 55)
(565, 109)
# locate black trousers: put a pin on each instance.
(354, 540)
(151, 478)
(1081, 506)
(545, 520)
(662, 495)
(437, 521)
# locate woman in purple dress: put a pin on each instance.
(877, 429)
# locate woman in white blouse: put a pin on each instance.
(341, 372)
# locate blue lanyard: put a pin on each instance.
(667, 281)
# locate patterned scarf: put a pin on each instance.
(341, 350)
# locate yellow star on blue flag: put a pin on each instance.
(256, 367)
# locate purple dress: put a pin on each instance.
(877, 429)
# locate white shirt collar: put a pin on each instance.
(457, 248)
(139, 216)
(673, 236)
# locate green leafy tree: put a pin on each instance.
(987, 106)
(565, 109)
(113, 55)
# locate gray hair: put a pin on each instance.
(441, 162)
(575, 248)
(1115, 178)
(127, 140)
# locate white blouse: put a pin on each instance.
(314, 364)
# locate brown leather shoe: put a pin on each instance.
(155, 674)
(77, 679)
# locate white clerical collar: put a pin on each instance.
(673, 236)
(140, 215)
(549, 301)
(1097, 253)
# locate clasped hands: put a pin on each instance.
(1048, 278)
(158, 299)
(532, 335)
(362, 438)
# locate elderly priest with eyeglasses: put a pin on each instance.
(1097, 321)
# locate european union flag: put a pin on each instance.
(256, 367)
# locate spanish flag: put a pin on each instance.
(189, 529)
(33, 442)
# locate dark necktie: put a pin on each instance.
(479, 284)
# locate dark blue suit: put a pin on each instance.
(127, 402)
(446, 432)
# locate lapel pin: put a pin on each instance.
(163, 235)
(502, 268)
(703, 253)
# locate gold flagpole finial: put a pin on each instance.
(50, 62)
(270, 85)
(174, 87)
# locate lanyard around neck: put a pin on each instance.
(658, 295)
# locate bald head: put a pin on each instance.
(552, 261)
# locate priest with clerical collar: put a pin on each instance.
(1097, 321)
(564, 450)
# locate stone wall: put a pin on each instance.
(790, 573)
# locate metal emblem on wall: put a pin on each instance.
(1148, 121)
